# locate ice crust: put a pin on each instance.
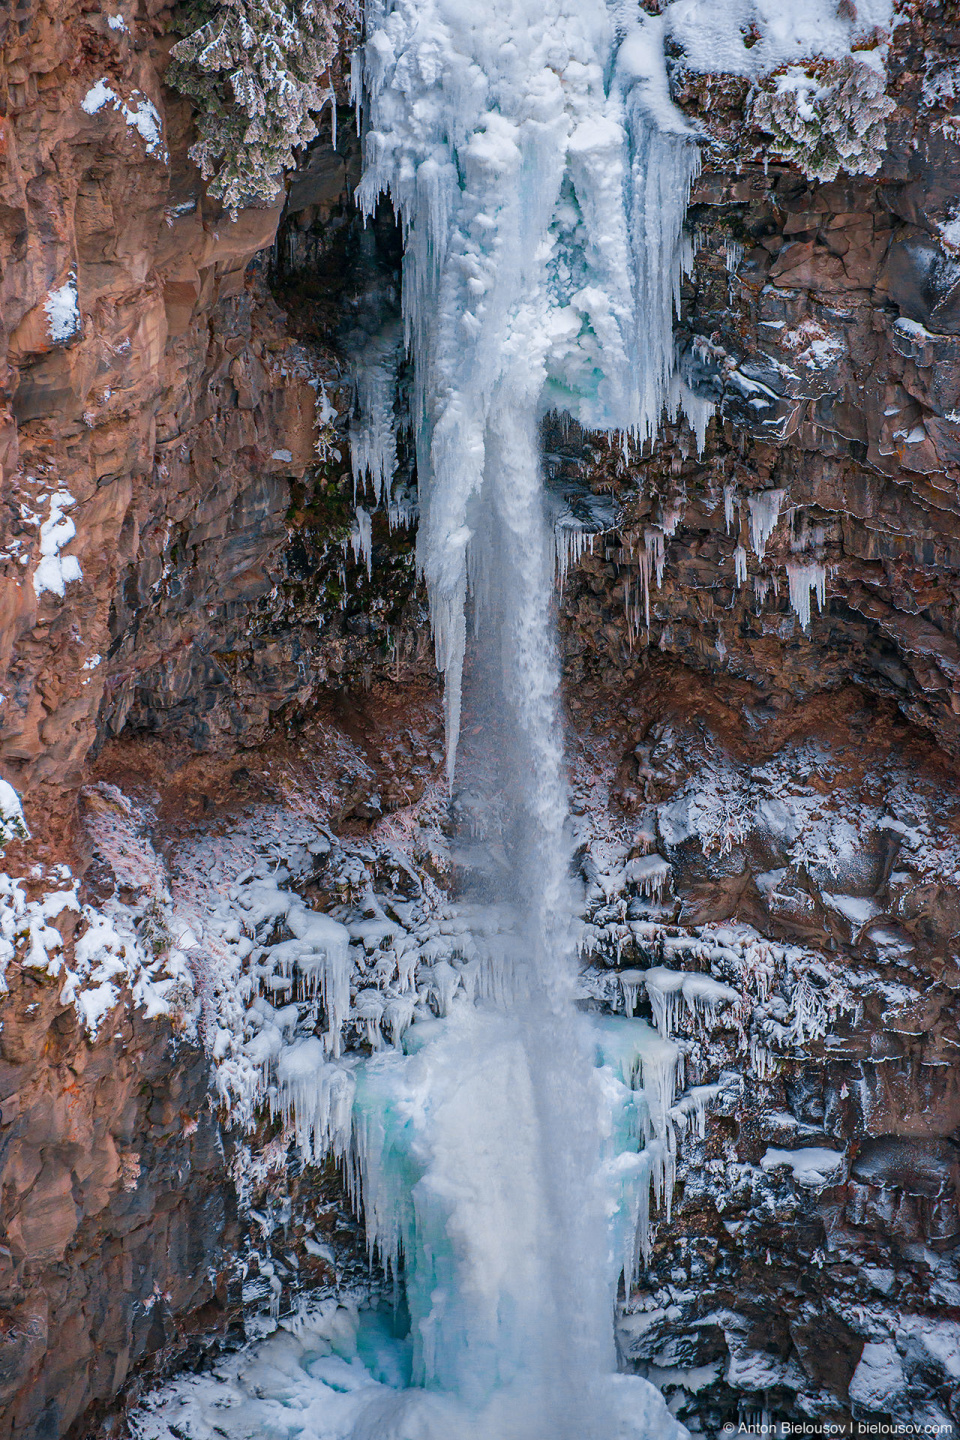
(667, 989)
(711, 33)
(336, 1372)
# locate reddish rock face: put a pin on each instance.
(147, 382)
(117, 1221)
(163, 397)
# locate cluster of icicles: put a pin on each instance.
(806, 574)
(541, 175)
(435, 1129)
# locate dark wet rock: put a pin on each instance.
(923, 282)
(919, 1167)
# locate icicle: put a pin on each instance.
(762, 586)
(740, 564)
(368, 1007)
(445, 982)
(650, 874)
(700, 993)
(361, 539)
(664, 992)
(324, 956)
(407, 958)
(764, 514)
(653, 538)
(698, 409)
(806, 537)
(631, 983)
(806, 578)
(570, 542)
(670, 519)
(694, 1105)
(729, 504)
(377, 1174)
(315, 1097)
(632, 607)
(398, 1017)
(703, 995)
(373, 433)
(645, 562)
(402, 512)
(650, 561)
(469, 978)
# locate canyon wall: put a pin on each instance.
(172, 455)
(183, 611)
(821, 317)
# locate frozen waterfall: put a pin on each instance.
(541, 175)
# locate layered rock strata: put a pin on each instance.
(173, 457)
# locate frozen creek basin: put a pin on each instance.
(339, 1372)
(446, 1150)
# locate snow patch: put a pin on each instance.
(63, 311)
(812, 1168)
(56, 571)
(878, 1380)
(12, 824)
(713, 33)
(139, 113)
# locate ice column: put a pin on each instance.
(541, 175)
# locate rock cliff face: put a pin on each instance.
(813, 1241)
(822, 320)
(166, 528)
(120, 396)
(160, 544)
(182, 615)
(116, 1217)
(804, 567)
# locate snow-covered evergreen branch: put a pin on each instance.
(259, 73)
(827, 116)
